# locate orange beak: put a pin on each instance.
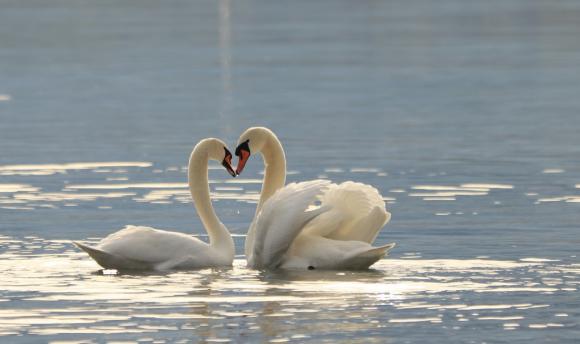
(227, 163)
(242, 159)
(229, 168)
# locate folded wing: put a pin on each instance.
(280, 220)
(357, 213)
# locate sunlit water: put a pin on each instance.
(51, 290)
(465, 115)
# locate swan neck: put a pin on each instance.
(219, 237)
(275, 168)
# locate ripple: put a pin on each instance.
(567, 199)
(451, 192)
(553, 171)
(66, 196)
(13, 188)
(364, 170)
(414, 320)
(333, 170)
(487, 186)
(59, 290)
(128, 186)
(49, 169)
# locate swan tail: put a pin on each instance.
(365, 259)
(111, 261)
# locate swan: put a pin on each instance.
(290, 232)
(145, 248)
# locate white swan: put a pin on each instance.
(290, 232)
(145, 248)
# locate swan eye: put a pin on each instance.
(310, 267)
(244, 146)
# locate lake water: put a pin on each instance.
(464, 114)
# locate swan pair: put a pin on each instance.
(288, 231)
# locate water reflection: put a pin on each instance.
(449, 193)
(20, 195)
(49, 169)
(50, 288)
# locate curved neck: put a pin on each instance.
(219, 237)
(275, 168)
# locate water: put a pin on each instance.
(464, 115)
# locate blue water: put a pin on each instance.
(465, 115)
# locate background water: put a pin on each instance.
(464, 114)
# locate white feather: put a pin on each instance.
(280, 220)
(335, 235)
(146, 248)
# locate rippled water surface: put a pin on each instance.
(50, 290)
(464, 115)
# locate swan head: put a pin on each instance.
(251, 141)
(217, 150)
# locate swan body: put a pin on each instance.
(290, 231)
(146, 248)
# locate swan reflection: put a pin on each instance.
(62, 292)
